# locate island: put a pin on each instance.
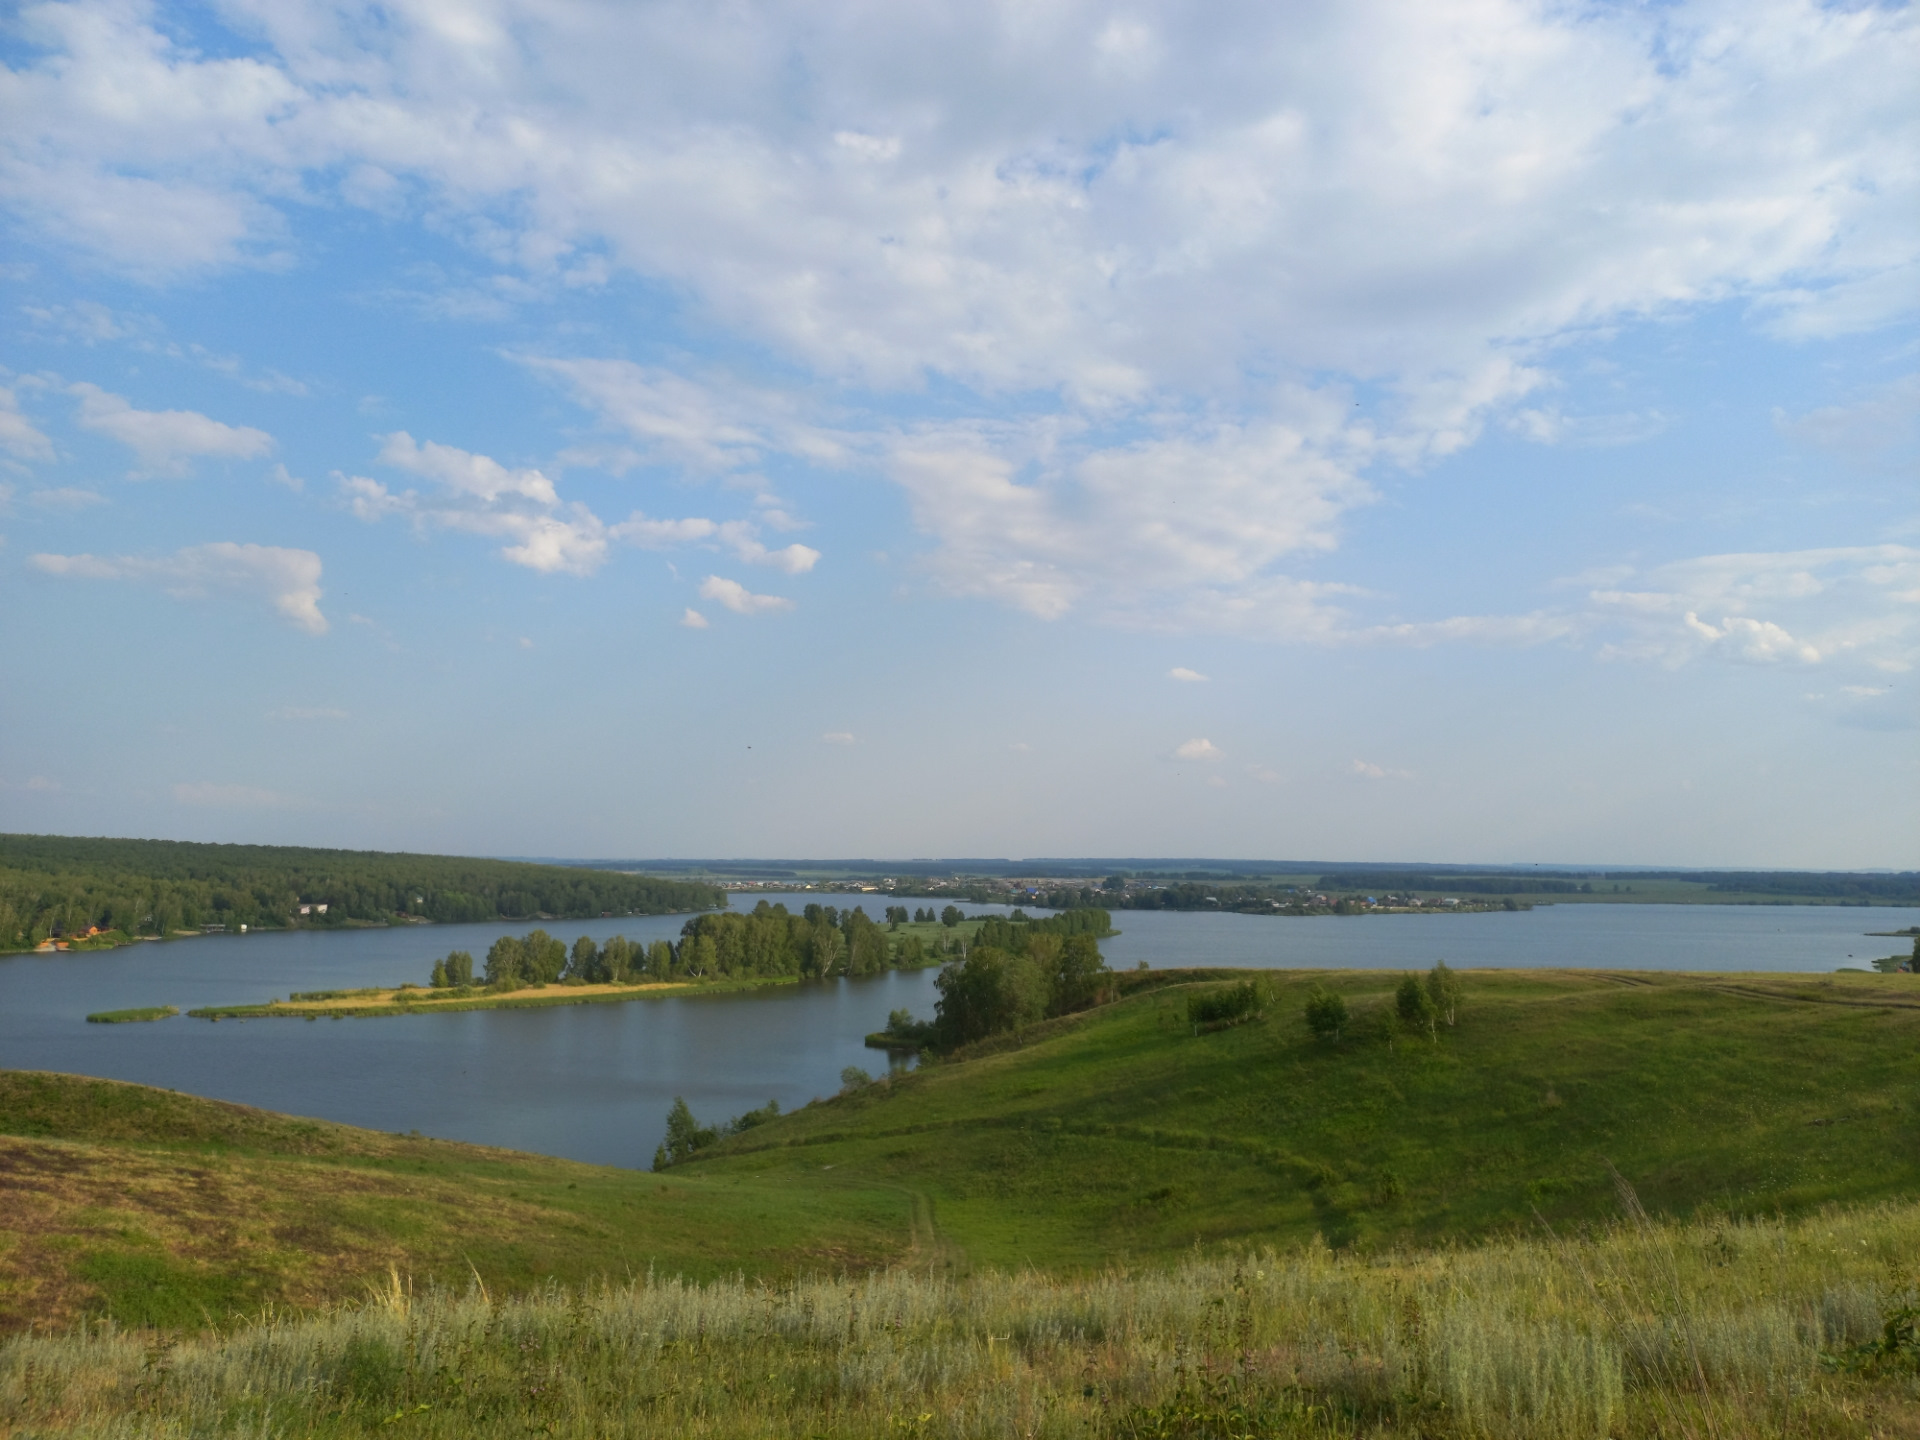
(768, 945)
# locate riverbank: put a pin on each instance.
(416, 1000)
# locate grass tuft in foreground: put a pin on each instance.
(1731, 1329)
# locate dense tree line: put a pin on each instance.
(1399, 881)
(1902, 888)
(770, 941)
(53, 886)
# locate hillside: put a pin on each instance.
(1120, 1134)
(158, 1208)
(1117, 1135)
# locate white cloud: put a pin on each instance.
(1139, 532)
(1858, 604)
(648, 534)
(693, 619)
(838, 737)
(478, 495)
(737, 598)
(1265, 774)
(791, 559)
(166, 441)
(230, 797)
(18, 435)
(288, 580)
(1367, 770)
(1180, 672)
(65, 498)
(1878, 421)
(1198, 750)
(1142, 217)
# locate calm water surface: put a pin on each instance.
(593, 1082)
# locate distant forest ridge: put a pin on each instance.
(64, 887)
(1327, 875)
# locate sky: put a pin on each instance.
(1461, 430)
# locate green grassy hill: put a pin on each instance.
(1120, 1134)
(1116, 1136)
(157, 1208)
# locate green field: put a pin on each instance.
(1601, 1205)
(156, 1208)
(1120, 1135)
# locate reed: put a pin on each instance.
(1712, 1329)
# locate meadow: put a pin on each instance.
(1598, 1205)
(1722, 1328)
(147, 1208)
(1121, 1134)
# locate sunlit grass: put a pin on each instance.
(1719, 1329)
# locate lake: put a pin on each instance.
(593, 1082)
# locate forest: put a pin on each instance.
(68, 888)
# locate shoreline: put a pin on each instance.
(378, 1001)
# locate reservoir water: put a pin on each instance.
(593, 1082)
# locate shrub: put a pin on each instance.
(1227, 1005)
(1416, 1010)
(1326, 1013)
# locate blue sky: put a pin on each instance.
(1464, 431)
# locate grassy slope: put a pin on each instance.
(157, 1207)
(1114, 1135)
(1120, 1134)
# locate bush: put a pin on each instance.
(1326, 1013)
(1226, 1006)
(1416, 1010)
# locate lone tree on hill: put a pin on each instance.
(1326, 1013)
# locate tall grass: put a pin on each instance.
(1709, 1329)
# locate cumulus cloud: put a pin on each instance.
(1858, 604)
(838, 737)
(737, 598)
(167, 442)
(1049, 524)
(477, 494)
(790, 559)
(1198, 750)
(692, 619)
(288, 580)
(1180, 672)
(1367, 770)
(1131, 225)
(19, 437)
